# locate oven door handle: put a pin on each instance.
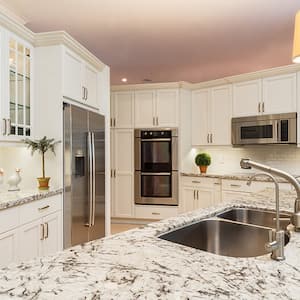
(156, 174)
(156, 140)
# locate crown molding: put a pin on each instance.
(149, 86)
(45, 39)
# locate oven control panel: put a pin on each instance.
(150, 134)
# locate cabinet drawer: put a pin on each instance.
(41, 208)
(155, 212)
(201, 182)
(9, 219)
(237, 185)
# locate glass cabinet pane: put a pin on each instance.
(19, 88)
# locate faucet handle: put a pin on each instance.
(271, 246)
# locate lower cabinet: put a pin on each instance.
(155, 212)
(37, 232)
(199, 193)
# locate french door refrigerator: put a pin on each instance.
(84, 175)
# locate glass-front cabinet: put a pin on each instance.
(16, 111)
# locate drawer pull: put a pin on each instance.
(194, 181)
(45, 207)
(155, 213)
(217, 183)
(235, 185)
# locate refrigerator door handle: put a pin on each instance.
(90, 157)
(93, 178)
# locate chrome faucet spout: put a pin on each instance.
(247, 164)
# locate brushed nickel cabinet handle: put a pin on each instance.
(43, 208)
(115, 173)
(258, 106)
(155, 213)
(115, 122)
(208, 138)
(83, 93)
(46, 230)
(197, 195)
(194, 194)
(4, 128)
(8, 128)
(157, 121)
(211, 138)
(195, 181)
(86, 93)
(153, 121)
(217, 183)
(263, 107)
(235, 185)
(42, 235)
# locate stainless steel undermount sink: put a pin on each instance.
(256, 217)
(227, 237)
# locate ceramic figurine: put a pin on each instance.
(14, 180)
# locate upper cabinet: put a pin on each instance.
(156, 108)
(122, 110)
(16, 102)
(270, 95)
(211, 116)
(79, 80)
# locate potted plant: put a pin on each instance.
(42, 146)
(203, 160)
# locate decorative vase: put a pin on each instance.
(43, 183)
(14, 180)
(203, 169)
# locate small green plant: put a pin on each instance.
(203, 159)
(42, 146)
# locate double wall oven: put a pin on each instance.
(156, 166)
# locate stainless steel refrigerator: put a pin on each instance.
(84, 175)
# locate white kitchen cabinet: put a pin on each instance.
(199, 193)
(211, 116)
(31, 230)
(79, 80)
(17, 102)
(279, 94)
(123, 173)
(155, 212)
(9, 247)
(270, 95)
(247, 97)
(156, 108)
(31, 236)
(122, 110)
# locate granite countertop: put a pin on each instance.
(11, 199)
(137, 265)
(235, 176)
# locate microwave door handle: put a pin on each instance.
(278, 125)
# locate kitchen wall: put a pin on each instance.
(31, 166)
(227, 159)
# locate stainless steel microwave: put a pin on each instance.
(265, 129)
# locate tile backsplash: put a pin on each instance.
(227, 159)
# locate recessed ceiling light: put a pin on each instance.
(124, 79)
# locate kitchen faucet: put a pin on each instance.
(276, 244)
(247, 164)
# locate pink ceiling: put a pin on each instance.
(172, 40)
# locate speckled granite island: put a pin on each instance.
(138, 265)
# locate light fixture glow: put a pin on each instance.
(124, 79)
(296, 47)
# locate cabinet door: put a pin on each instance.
(72, 76)
(279, 94)
(30, 242)
(220, 115)
(124, 164)
(123, 110)
(9, 247)
(247, 96)
(200, 101)
(167, 108)
(18, 113)
(188, 198)
(90, 84)
(52, 236)
(144, 109)
(205, 198)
